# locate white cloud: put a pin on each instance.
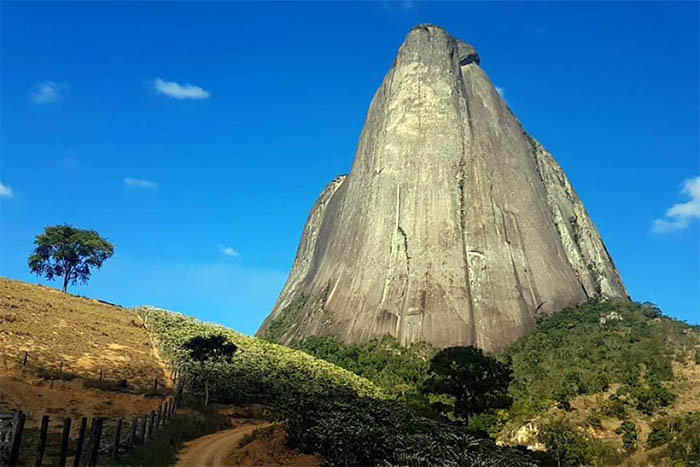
(136, 182)
(6, 191)
(679, 216)
(228, 251)
(179, 91)
(45, 93)
(500, 90)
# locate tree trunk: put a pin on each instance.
(206, 393)
(65, 281)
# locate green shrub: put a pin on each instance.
(614, 407)
(284, 320)
(399, 370)
(677, 438)
(602, 453)
(628, 431)
(564, 444)
(593, 420)
(650, 397)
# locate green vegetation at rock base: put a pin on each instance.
(620, 351)
(326, 409)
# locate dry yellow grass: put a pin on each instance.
(88, 336)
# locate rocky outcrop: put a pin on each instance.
(453, 227)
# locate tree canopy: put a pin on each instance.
(477, 381)
(68, 252)
(214, 347)
(208, 351)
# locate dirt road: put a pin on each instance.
(213, 450)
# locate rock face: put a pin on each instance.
(453, 227)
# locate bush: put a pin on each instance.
(628, 430)
(650, 397)
(399, 370)
(614, 407)
(563, 443)
(677, 438)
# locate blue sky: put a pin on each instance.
(196, 137)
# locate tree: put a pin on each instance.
(207, 351)
(476, 381)
(563, 443)
(64, 251)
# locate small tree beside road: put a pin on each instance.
(207, 352)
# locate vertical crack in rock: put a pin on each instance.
(464, 115)
(497, 234)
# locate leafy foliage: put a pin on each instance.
(64, 251)
(476, 381)
(582, 350)
(575, 352)
(628, 430)
(400, 371)
(327, 410)
(564, 444)
(284, 320)
(207, 351)
(676, 438)
(215, 347)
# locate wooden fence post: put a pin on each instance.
(150, 425)
(117, 439)
(64, 442)
(60, 370)
(143, 429)
(81, 440)
(158, 415)
(17, 439)
(155, 385)
(24, 363)
(100, 381)
(95, 448)
(42, 440)
(130, 445)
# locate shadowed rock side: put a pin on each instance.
(454, 226)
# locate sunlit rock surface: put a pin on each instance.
(453, 227)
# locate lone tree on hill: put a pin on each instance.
(476, 381)
(64, 251)
(208, 351)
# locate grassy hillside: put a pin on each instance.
(611, 373)
(68, 341)
(616, 379)
(327, 410)
(258, 366)
(86, 336)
